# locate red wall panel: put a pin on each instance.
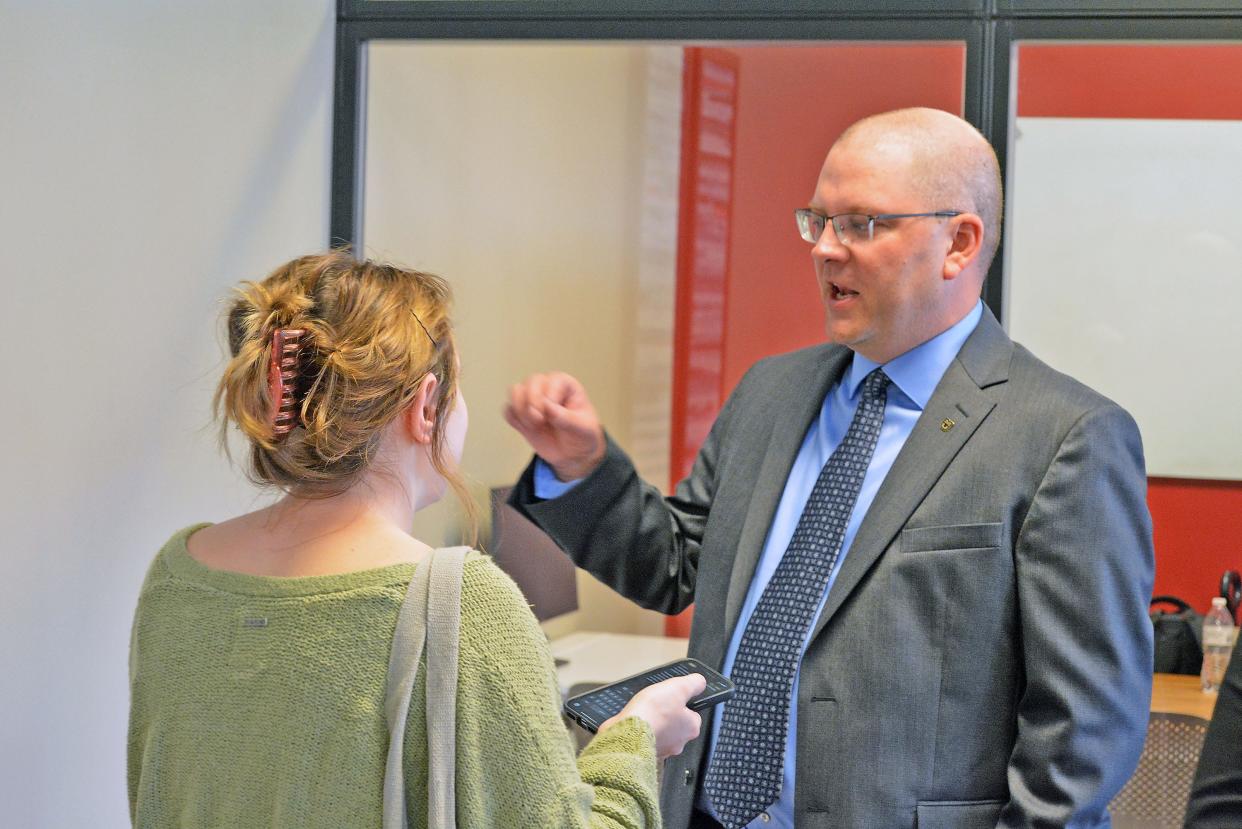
(1201, 81)
(1198, 533)
(705, 205)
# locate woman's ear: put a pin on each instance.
(420, 416)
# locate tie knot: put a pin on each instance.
(876, 384)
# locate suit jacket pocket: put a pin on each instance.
(959, 814)
(951, 537)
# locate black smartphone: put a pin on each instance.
(592, 709)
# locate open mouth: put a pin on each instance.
(835, 291)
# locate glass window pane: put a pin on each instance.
(1125, 241)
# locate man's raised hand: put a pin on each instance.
(554, 414)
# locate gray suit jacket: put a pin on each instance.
(984, 657)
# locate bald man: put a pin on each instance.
(923, 555)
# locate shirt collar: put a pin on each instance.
(918, 371)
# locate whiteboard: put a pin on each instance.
(1124, 270)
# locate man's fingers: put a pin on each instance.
(559, 387)
(537, 388)
(542, 400)
(562, 418)
(517, 412)
(521, 414)
(517, 396)
(535, 401)
(562, 389)
(575, 396)
(511, 417)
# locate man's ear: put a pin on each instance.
(420, 415)
(965, 244)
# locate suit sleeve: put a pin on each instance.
(625, 531)
(1084, 564)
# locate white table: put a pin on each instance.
(599, 658)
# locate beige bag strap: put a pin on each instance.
(431, 614)
(443, 638)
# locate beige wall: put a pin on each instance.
(541, 181)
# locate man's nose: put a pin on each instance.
(829, 247)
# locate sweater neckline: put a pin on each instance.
(182, 565)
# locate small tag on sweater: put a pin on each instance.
(255, 622)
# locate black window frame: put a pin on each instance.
(988, 28)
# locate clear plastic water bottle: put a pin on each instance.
(1217, 644)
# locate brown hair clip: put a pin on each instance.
(282, 379)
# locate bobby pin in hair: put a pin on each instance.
(434, 344)
(282, 379)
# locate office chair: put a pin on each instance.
(1156, 795)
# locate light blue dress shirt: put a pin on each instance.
(915, 375)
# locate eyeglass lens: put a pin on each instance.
(849, 227)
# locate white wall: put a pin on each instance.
(1125, 271)
(151, 154)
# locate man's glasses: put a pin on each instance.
(853, 228)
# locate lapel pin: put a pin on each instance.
(947, 424)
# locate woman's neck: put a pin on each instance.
(363, 528)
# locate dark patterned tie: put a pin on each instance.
(744, 777)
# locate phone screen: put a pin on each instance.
(594, 707)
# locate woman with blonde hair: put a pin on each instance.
(261, 647)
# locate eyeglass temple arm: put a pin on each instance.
(939, 213)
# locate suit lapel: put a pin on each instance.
(959, 397)
(798, 407)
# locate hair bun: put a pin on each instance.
(280, 304)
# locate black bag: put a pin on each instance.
(1179, 645)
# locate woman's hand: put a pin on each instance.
(663, 706)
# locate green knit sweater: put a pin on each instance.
(259, 702)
